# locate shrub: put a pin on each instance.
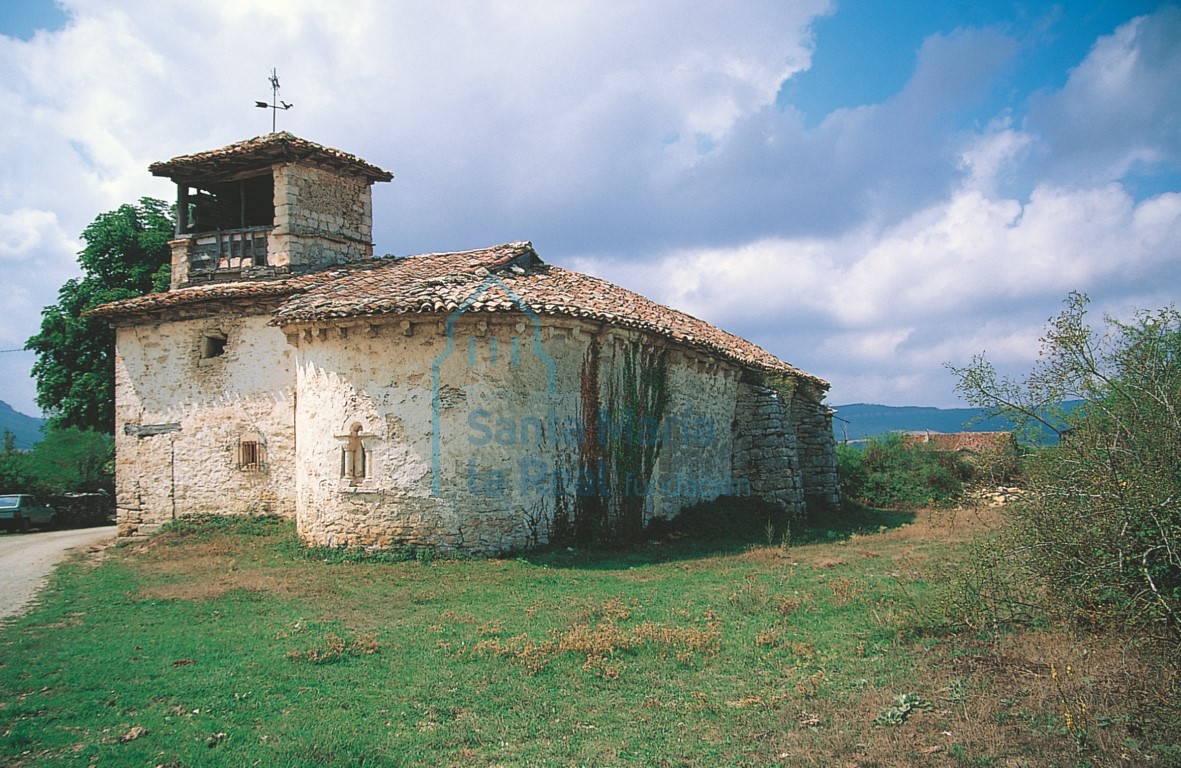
(852, 472)
(1101, 520)
(889, 474)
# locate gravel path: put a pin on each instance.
(27, 558)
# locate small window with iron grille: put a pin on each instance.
(251, 456)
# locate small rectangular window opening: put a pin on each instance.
(250, 456)
(212, 345)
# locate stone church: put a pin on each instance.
(479, 401)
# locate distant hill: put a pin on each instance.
(27, 429)
(860, 420)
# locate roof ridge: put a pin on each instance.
(513, 244)
(441, 283)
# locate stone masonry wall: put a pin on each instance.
(812, 421)
(322, 218)
(181, 420)
(766, 448)
(473, 433)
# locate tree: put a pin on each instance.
(71, 460)
(14, 474)
(126, 255)
(67, 460)
(1101, 520)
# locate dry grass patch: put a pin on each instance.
(176, 569)
(214, 584)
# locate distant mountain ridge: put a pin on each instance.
(26, 429)
(852, 422)
(862, 420)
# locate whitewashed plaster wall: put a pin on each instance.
(508, 393)
(203, 408)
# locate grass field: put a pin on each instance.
(225, 644)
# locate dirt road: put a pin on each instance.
(27, 558)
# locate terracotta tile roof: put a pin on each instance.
(503, 278)
(263, 288)
(974, 442)
(262, 152)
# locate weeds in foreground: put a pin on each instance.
(905, 704)
(604, 644)
(335, 648)
(1075, 718)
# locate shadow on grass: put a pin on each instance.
(730, 525)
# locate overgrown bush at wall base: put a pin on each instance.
(730, 522)
(891, 475)
(726, 519)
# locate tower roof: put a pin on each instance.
(263, 152)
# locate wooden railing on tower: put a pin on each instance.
(229, 249)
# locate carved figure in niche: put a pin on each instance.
(352, 460)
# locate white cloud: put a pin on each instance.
(31, 247)
(643, 143)
(36, 256)
(881, 298)
(932, 289)
(1118, 112)
(493, 115)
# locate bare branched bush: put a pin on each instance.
(1101, 519)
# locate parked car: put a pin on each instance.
(20, 512)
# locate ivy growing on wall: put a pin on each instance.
(590, 511)
(623, 411)
(640, 398)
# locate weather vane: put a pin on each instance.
(275, 104)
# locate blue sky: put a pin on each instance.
(867, 49)
(867, 189)
(22, 19)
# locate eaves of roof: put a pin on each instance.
(504, 278)
(263, 152)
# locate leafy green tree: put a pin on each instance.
(14, 475)
(71, 460)
(1101, 520)
(67, 460)
(126, 255)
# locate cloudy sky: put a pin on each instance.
(868, 189)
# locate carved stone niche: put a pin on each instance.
(358, 459)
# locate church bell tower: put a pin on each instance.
(270, 206)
